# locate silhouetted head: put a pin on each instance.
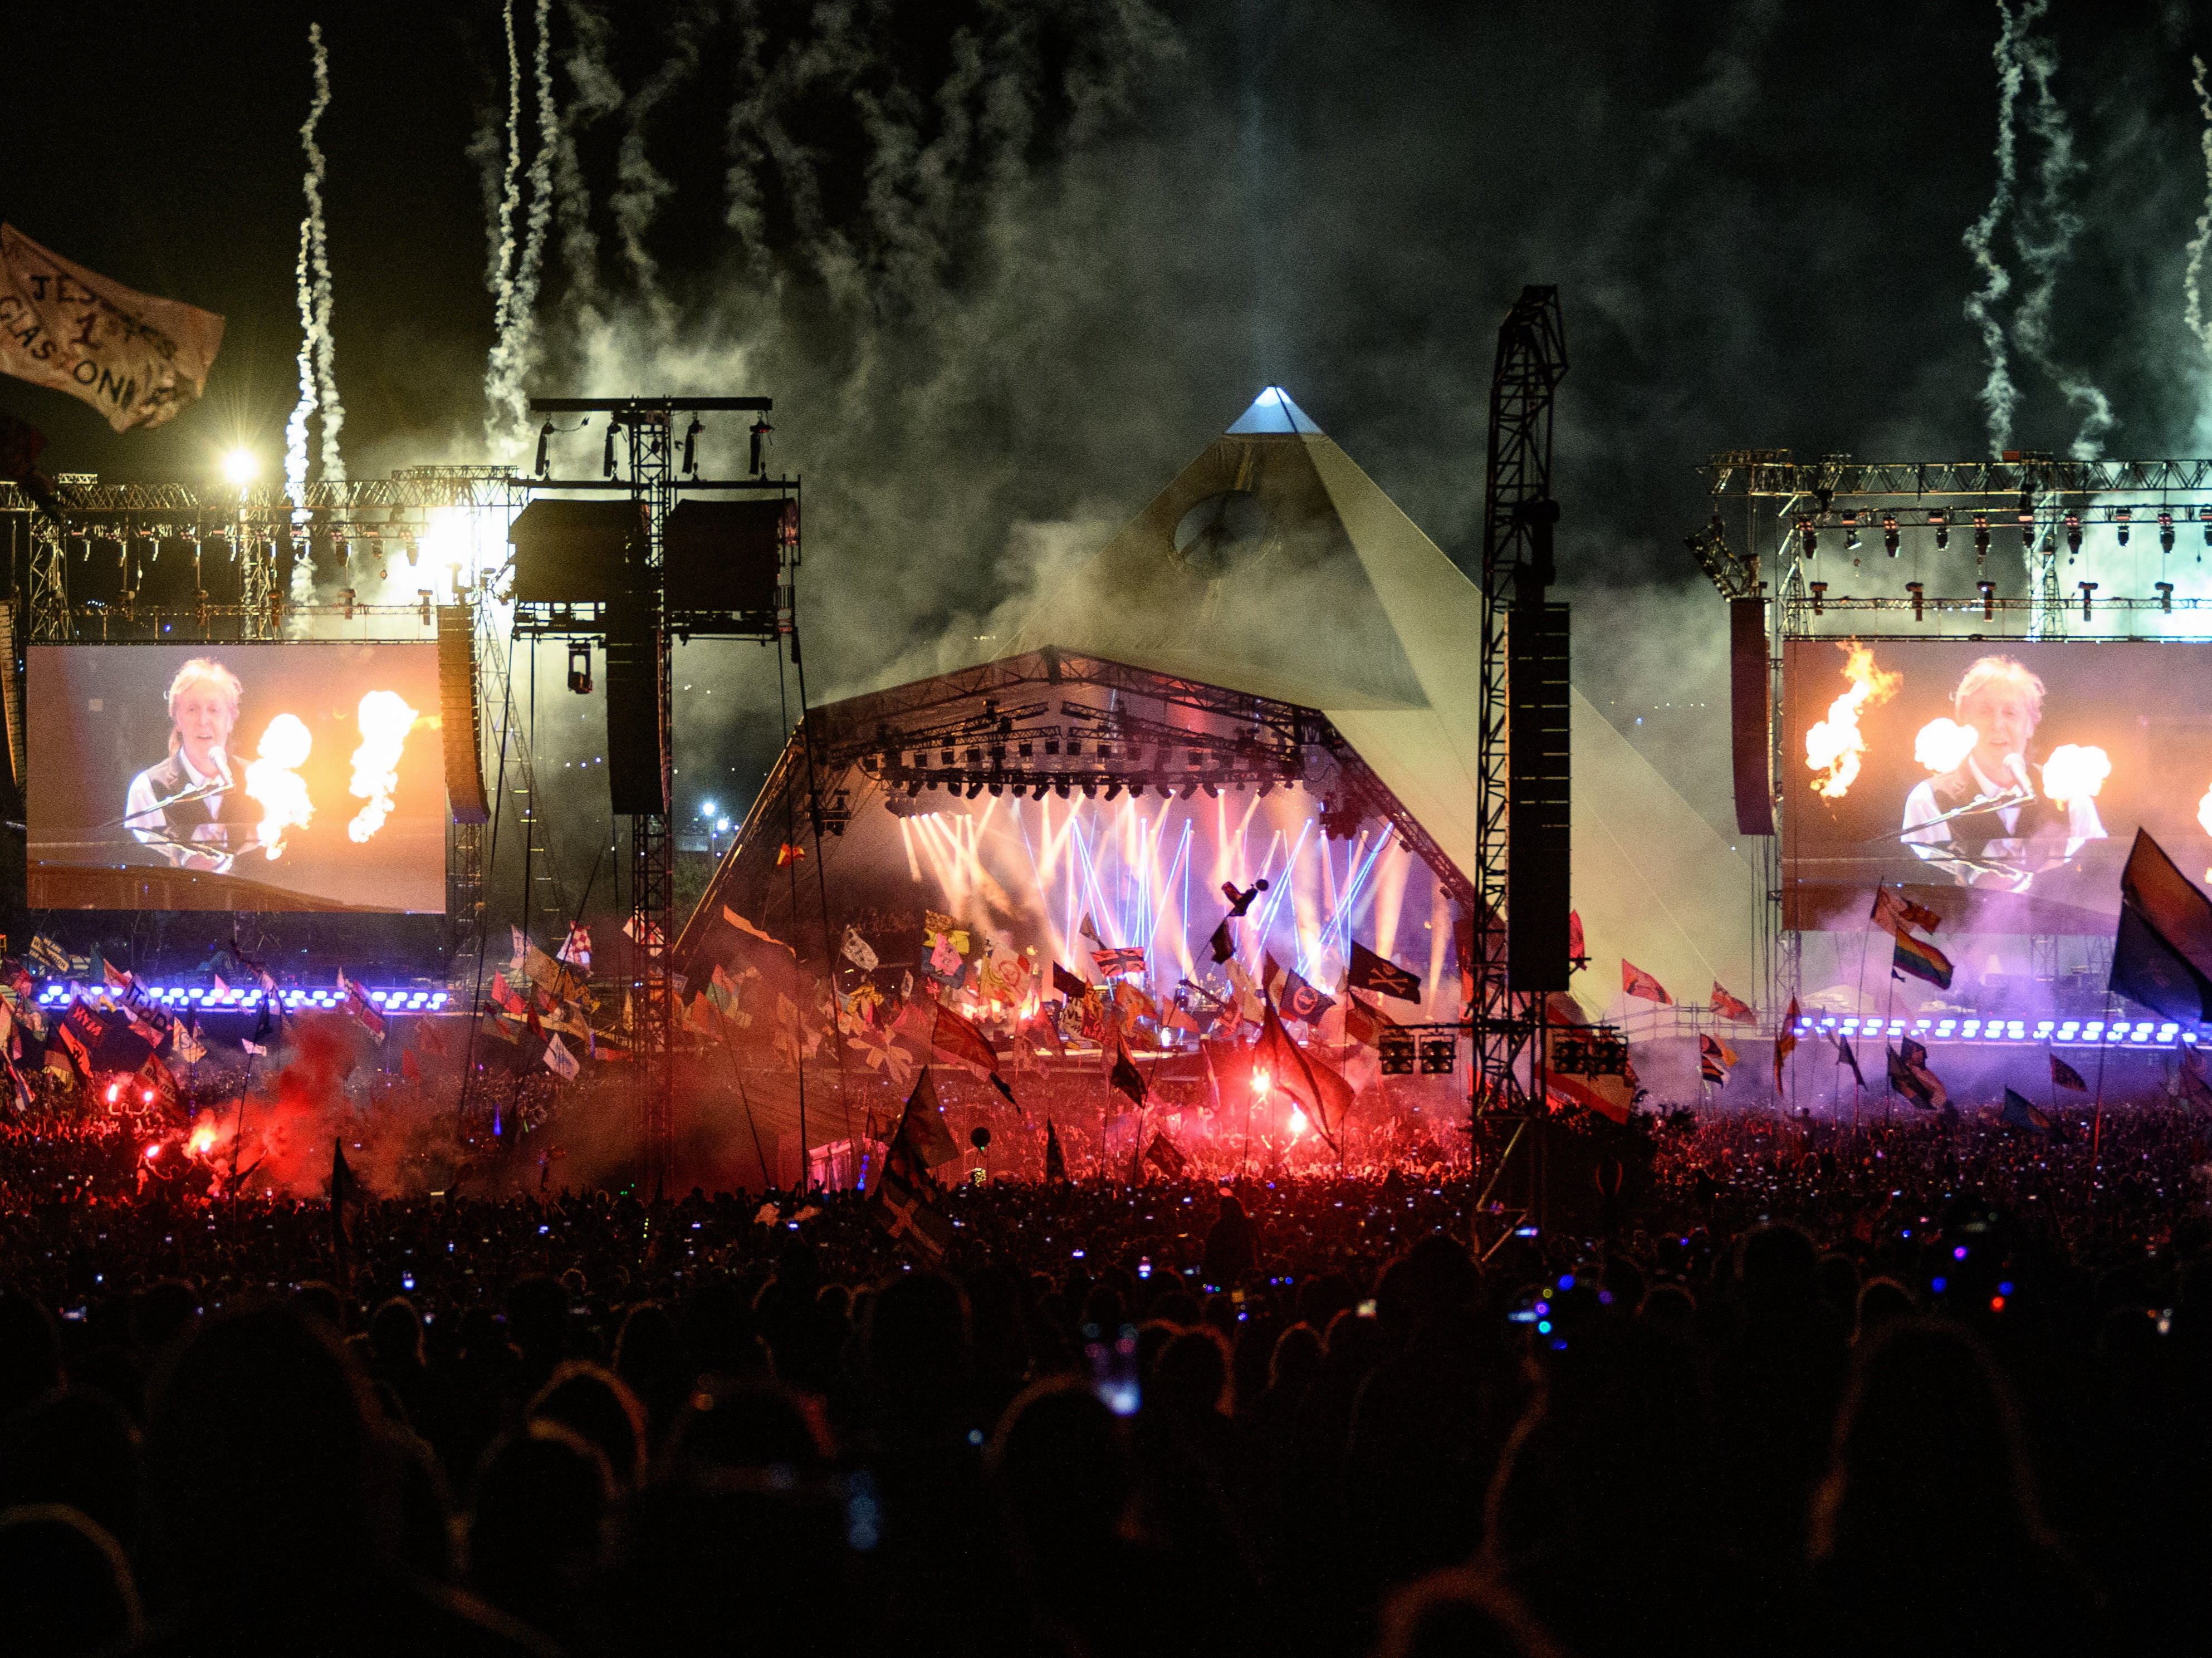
(64, 1582)
(30, 1352)
(260, 1448)
(592, 1402)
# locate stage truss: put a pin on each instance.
(2045, 536)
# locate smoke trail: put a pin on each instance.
(327, 384)
(501, 278)
(641, 187)
(2192, 273)
(2059, 224)
(596, 93)
(296, 429)
(1999, 397)
(516, 349)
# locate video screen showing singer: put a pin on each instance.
(189, 808)
(1984, 822)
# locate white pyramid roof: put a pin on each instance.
(1272, 564)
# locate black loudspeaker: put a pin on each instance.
(457, 709)
(637, 761)
(1540, 806)
(1747, 715)
(575, 552)
(726, 555)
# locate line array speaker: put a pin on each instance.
(1748, 690)
(456, 708)
(1540, 806)
(575, 552)
(726, 555)
(637, 756)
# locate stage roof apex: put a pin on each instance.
(1273, 411)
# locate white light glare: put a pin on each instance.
(239, 466)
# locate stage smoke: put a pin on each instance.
(515, 350)
(641, 187)
(501, 277)
(1999, 396)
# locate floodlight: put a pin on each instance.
(239, 467)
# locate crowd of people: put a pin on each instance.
(1921, 1388)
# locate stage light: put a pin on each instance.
(607, 461)
(1807, 537)
(1851, 532)
(913, 788)
(1212, 790)
(545, 448)
(1942, 522)
(1981, 535)
(1037, 793)
(998, 790)
(1112, 790)
(1059, 787)
(975, 788)
(239, 467)
(706, 808)
(2204, 516)
(2027, 531)
(2165, 531)
(1989, 590)
(1820, 597)
(721, 826)
(2121, 517)
(2165, 596)
(2088, 587)
(1189, 788)
(2073, 534)
(1889, 534)
(579, 672)
(692, 445)
(760, 429)
(1919, 600)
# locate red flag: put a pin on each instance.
(1326, 1096)
(1728, 1007)
(963, 1040)
(1576, 952)
(1785, 1042)
(407, 1068)
(1635, 981)
(788, 854)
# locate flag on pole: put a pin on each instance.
(1910, 1076)
(1844, 1054)
(1921, 960)
(1068, 984)
(1241, 902)
(1324, 1095)
(857, 952)
(1087, 930)
(2063, 1075)
(1221, 946)
(1167, 1156)
(1123, 1074)
(2162, 946)
(1370, 972)
(1731, 1007)
(1785, 1042)
(560, 1060)
(920, 1132)
(1577, 952)
(1055, 1160)
(137, 359)
(904, 1210)
(576, 948)
(2019, 1113)
(1894, 913)
(1113, 961)
(358, 1003)
(1301, 1001)
(342, 1192)
(1635, 981)
(1715, 1060)
(2194, 1087)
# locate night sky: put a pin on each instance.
(1004, 270)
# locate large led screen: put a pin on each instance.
(280, 776)
(2005, 780)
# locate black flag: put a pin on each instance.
(1125, 1075)
(2162, 948)
(1241, 902)
(1222, 946)
(1370, 972)
(1055, 1160)
(1068, 984)
(342, 1191)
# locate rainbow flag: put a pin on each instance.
(1921, 960)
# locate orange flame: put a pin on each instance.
(1943, 745)
(2076, 773)
(1833, 745)
(385, 720)
(274, 780)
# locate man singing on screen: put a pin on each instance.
(188, 808)
(2002, 844)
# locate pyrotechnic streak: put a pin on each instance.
(642, 188)
(514, 349)
(273, 780)
(384, 720)
(1999, 397)
(1833, 745)
(2074, 772)
(2060, 224)
(326, 345)
(510, 201)
(296, 429)
(1943, 745)
(2192, 273)
(2204, 816)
